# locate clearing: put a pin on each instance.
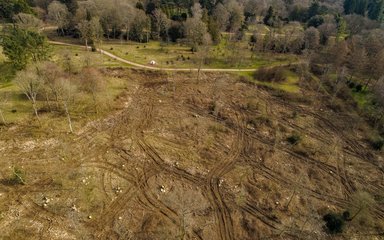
(177, 158)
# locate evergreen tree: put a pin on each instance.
(71, 5)
(375, 9)
(361, 7)
(22, 46)
(349, 6)
(9, 8)
(314, 9)
(315, 21)
(271, 18)
(208, 4)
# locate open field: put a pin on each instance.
(177, 56)
(5, 69)
(179, 159)
(16, 108)
(79, 57)
(173, 55)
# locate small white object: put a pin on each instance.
(221, 182)
(277, 203)
(89, 217)
(152, 62)
(120, 218)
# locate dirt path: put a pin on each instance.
(138, 65)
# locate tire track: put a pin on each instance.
(221, 209)
(289, 183)
(111, 168)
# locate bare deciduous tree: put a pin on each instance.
(161, 24)
(66, 91)
(203, 52)
(27, 21)
(128, 19)
(50, 72)
(236, 16)
(90, 30)
(30, 84)
(92, 82)
(195, 28)
(59, 15)
(221, 16)
(311, 38)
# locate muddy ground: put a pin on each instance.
(181, 158)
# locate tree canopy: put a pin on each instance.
(374, 9)
(9, 8)
(22, 46)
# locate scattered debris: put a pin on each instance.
(118, 190)
(46, 200)
(74, 208)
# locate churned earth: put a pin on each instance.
(179, 157)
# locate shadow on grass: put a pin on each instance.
(7, 72)
(11, 182)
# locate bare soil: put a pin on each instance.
(184, 159)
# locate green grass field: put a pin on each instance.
(173, 55)
(289, 85)
(16, 108)
(14, 105)
(6, 70)
(226, 54)
(79, 57)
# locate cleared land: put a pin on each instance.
(179, 159)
